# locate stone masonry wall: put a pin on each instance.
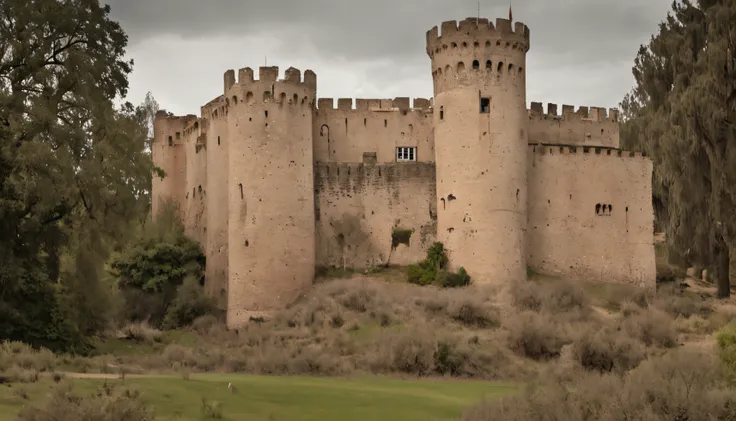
(589, 126)
(195, 190)
(215, 127)
(358, 206)
(377, 126)
(591, 215)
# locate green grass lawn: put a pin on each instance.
(287, 398)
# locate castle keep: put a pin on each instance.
(274, 182)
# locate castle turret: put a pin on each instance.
(271, 223)
(481, 145)
(169, 153)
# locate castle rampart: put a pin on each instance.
(598, 227)
(274, 181)
(590, 126)
(373, 126)
(359, 206)
(271, 234)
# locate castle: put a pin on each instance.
(274, 182)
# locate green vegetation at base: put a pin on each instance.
(433, 270)
(277, 398)
(400, 236)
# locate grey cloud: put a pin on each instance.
(582, 51)
(572, 30)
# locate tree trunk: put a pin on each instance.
(722, 266)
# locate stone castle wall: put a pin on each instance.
(591, 217)
(358, 207)
(373, 126)
(215, 130)
(588, 126)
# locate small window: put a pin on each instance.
(171, 141)
(476, 65)
(406, 153)
(485, 105)
(442, 112)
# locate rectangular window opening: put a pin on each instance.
(406, 153)
(485, 105)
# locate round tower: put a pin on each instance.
(481, 145)
(271, 223)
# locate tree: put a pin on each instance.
(74, 170)
(682, 112)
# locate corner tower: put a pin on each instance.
(480, 122)
(271, 223)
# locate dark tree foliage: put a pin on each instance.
(74, 170)
(160, 274)
(682, 112)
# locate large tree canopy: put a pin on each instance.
(682, 112)
(74, 168)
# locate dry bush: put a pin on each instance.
(16, 374)
(204, 324)
(107, 404)
(682, 385)
(554, 297)
(607, 350)
(23, 356)
(140, 332)
(652, 327)
(422, 351)
(678, 302)
(536, 336)
(630, 308)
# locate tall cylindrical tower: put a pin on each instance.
(481, 145)
(271, 223)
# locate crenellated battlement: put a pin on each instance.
(588, 126)
(292, 90)
(476, 33)
(584, 112)
(270, 74)
(399, 104)
(601, 151)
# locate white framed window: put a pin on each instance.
(406, 153)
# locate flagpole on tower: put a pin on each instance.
(511, 17)
(477, 22)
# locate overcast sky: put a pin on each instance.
(581, 51)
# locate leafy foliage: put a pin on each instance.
(433, 270)
(151, 270)
(682, 112)
(74, 170)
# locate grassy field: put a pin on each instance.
(285, 398)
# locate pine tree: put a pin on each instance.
(682, 112)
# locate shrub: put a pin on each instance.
(432, 270)
(726, 340)
(141, 332)
(189, 304)
(677, 302)
(150, 270)
(679, 386)
(652, 327)
(551, 296)
(400, 236)
(606, 350)
(453, 280)
(536, 336)
(107, 404)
